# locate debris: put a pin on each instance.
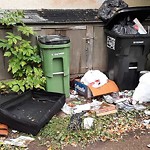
(67, 109)
(146, 123)
(80, 108)
(117, 97)
(105, 109)
(14, 131)
(95, 78)
(3, 130)
(141, 94)
(73, 96)
(139, 107)
(88, 122)
(70, 108)
(125, 106)
(147, 112)
(89, 91)
(21, 141)
(139, 26)
(123, 100)
(148, 145)
(76, 121)
(124, 27)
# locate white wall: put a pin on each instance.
(61, 4)
(50, 4)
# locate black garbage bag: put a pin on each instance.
(124, 28)
(109, 7)
(76, 121)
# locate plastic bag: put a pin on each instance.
(95, 78)
(109, 7)
(142, 91)
(124, 29)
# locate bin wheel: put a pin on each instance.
(111, 75)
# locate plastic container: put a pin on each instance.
(127, 54)
(55, 62)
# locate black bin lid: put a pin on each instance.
(53, 39)
(141, 13)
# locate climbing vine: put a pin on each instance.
(24, 59)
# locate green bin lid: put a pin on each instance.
(53, 39)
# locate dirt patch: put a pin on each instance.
(132, 141)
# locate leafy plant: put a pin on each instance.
(24, 59)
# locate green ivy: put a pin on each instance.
(24, 59)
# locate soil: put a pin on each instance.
(132, 141)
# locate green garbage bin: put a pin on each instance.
(54, 51)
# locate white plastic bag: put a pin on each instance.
(95, 78)
(142, 91)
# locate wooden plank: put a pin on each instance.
(89, 47)
(100, 50)
(77, 51)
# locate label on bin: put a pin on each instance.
(57, 54)
(138, 42)
(111, 42)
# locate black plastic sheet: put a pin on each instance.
(30, 111)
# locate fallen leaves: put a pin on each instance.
(110, 127)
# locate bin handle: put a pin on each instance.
(57, 73)
(130, 68)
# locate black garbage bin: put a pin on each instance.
(127, 53)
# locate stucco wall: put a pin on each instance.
(61, 4)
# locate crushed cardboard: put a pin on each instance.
(106, 109)
(89, 91)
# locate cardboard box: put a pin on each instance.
(89, 91)
(106, 109)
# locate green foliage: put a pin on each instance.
(12, 17)
(24, 59)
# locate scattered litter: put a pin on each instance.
(123, 100)
(73, 96)
(3, 130)
(141, 94)
(117, 97)
(95, 78)
(88, 122)
(146, 123)
(147, 112)
(70, 107)
(139, 26)
(76, 121)
(21, 141)
(105, 109)
(125, 106)
(109, 99)
(80, 108)
(139, 107)
(67, 109)
(148, 145)
(14, 131)
(89, 91)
